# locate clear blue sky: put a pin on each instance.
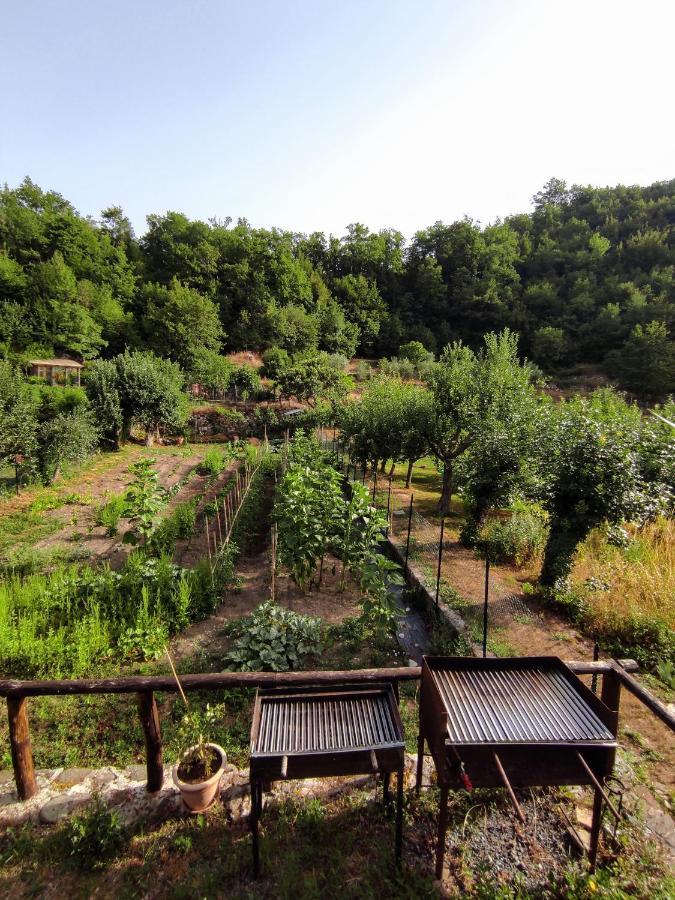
(313, 114)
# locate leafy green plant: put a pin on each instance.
(274, 639)
(516, 539)
(95, 835)
(144, 498)
(213, 463)
(194, 734)
(110, 513)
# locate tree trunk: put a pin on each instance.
(408, 475)
(446, 493)
(392, 468)
(149, 437)
(383, 467)
(561, 546)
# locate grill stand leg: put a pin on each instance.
(386, 795)
(399, 815)
(596, 824)
(442, 829)
(256, 804)
(420, 761)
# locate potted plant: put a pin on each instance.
(197, 774)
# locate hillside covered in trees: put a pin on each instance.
(587, 277)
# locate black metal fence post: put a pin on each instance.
(594, 679)
(485, 605)
(407, 543)
(375, 490)
(440, 560)
(388, 506)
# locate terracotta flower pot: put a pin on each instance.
(198, 796)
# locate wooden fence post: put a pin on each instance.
(149, 715)
(22, 753)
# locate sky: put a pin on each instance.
(310, 115)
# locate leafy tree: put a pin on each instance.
(416, 353)
(646, 364)
(549, 345)
(275, 361)
(362, 305)
(18, 423)
(66, 438)
(102, 386)
(151, 393)
(180, 323)
(245, 381)
(212, 371)
(471, 394)
(311, 380)
(592, 469)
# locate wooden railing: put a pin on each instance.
(614, 674)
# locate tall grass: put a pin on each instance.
(628, 591)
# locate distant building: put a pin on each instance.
(57, 371)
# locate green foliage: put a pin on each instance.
(109, 514)
(151, 393)
(476, 396)
(275, 361)
(516, 539)
(104, 395)
(311, 380)
(67, 438)
(592, 473)
(214, 462)
(95, 836)
(307, 508)
(646, 362)
(144, 499)
(274, 639)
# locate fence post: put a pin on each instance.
(149, 715)
(220, 530)
(388, 505)
(594, 679)
(407, 543)
(22, 752)
(375, 490)
(485, 605)
(440, 559)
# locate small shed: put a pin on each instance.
(57, 371)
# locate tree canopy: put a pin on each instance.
(588, 276)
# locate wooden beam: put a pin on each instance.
(22, 752)
(133, 683)
(650, 701)
(141, 683)
(149, 715)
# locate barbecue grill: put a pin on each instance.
(519, 722)
(314, 732)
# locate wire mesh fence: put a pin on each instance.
(453, 574)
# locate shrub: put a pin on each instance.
(517, 539)
(274, 639)
(275, 361)
(363, 370)
(95, 835)
(213, 463)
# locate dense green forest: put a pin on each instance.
(587, 277)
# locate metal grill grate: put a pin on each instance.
(535, 705)
(306, 724)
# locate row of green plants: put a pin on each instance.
(73, 620)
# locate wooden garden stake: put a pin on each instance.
(220, 531)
